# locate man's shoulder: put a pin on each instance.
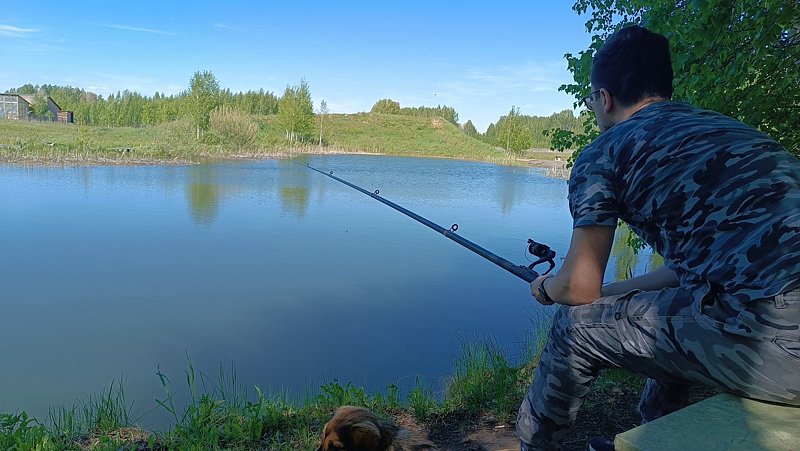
(662, 116)
(683, 117)
(680, 127)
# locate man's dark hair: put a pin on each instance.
(633, 64)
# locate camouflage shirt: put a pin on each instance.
(717, 199)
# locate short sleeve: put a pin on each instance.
(592, 193)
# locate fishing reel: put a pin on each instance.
(544, 254)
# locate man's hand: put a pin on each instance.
(581, 275)
(536, 293)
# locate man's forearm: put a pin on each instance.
(657, 279)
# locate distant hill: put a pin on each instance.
(401, 135)
(175, 141)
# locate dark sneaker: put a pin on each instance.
(601, 444)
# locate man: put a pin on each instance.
(720, 202)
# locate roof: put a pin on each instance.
(31, 99)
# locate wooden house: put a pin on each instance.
(19, 107)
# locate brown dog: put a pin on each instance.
(357, 429)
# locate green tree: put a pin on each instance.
(512, 132)
(296, 112)
(470, 130)
(323, 110)
(40, 107)
(203, 97)
(25, 89)
(738, 57)
(386, 106)
(445, 112)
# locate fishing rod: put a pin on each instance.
(526, 273)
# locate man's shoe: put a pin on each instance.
(601, 444)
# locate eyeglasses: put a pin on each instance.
(588, 100)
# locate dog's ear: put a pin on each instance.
(366, 434)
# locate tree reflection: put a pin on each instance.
(294, 187)
(204, 195)
(507, 186)
(295, 199)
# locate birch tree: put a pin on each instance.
(203, 96)
(296, 112)
(323, 110)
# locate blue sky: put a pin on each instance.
(478, 57)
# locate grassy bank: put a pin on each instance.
(228, 416)
(175, 143)
(485, 383)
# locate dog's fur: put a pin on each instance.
(357, 429)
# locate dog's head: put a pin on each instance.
(356, 429)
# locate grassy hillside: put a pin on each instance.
(34, 142)
(405, 135)
(393, 135)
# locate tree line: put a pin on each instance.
(389, 106)
(220, 115)
(132, 109)
(514, 132)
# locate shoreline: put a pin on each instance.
(77, 159)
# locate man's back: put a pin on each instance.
(718, 199)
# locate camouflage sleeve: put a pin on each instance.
(592, 193)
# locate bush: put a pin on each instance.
(232, 127)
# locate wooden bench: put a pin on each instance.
(722, 422)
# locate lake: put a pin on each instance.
(291, 278)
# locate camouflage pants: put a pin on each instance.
(672, 338)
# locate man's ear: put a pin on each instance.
(366, 434)
(608, 100)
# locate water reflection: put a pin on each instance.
(86, 178)
(507, 184)
(203, 200)
(294, 183)
(289, 275)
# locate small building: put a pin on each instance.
(65, 117)
(19, 107)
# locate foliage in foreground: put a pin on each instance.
(738, 57)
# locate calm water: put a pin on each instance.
(111, 273)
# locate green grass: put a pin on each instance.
(222, 414)
(18, 431)
(98, 415)
(406, 135)
(53, 143)
(35, 142)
